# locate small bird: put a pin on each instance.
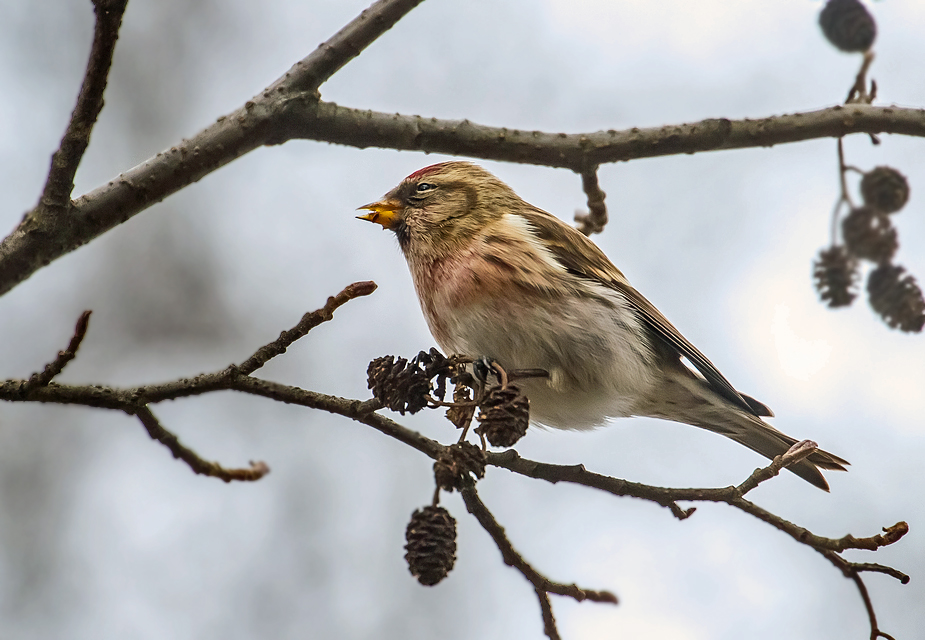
(500, 278)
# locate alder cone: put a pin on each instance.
(848, 25)
(457, 464)
(504, 416)
(885, 189)
(431, 544)
(869, 234)
(836, 273)
(897, 298)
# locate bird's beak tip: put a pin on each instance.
(383, 213)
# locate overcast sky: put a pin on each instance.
(104, 535)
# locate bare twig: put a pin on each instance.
(56, 196)
(203, 467)
(57, 365)
(541, 583)
(797, 452)
(858, 93)
(852, 571)
(596, 219)
(309, 321)
(330, 57)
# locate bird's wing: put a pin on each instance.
(583, 258)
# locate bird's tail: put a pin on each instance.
(691, 401)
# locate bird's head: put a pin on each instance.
(439, 208)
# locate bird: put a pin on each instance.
(499, 278)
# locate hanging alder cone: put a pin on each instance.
(885, 189)
(848, 25)
(431, 544)
(836, 275)
(869, 234)
(897, 298)
(504, 416)
(457, 464)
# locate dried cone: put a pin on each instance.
(868, 234)
(885, 189)
(848, 25)
(897, 298)
(504, 416)
(431, 544)
(397, 384)
(457, 464)
(836, 275)
(461, 416)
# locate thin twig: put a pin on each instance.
(512, 558)
(596, 219)
(843, 197)
(794, 454)
(56, 195)
(56, 366)
(203, 467)
(308, 322)
(330, 57)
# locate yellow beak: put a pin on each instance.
(384, 212)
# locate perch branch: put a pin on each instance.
(135, 401)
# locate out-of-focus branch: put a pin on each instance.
(543, 585)
(596, 219)
(56, 196)
(203, 467)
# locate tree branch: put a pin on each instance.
(309, 321)
(596, 219)
(202, 467)
(135, 401)
(541, 583)
(42, 238)
(57, 365)
(56, 196)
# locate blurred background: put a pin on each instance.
(104, 535)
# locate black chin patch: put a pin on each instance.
(403, 234)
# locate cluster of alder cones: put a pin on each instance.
(503, 415)
(868, 234)
(867, 231)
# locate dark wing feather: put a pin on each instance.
(583, 258)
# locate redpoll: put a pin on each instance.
(500, 278)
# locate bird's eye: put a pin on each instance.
(426, 186)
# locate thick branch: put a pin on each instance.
(56, 195)
(41, 238)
